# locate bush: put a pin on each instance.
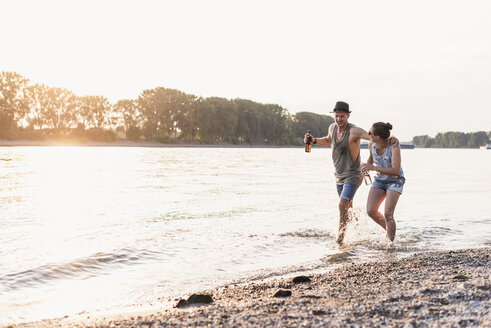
(98, 134)
(133, 133)
(30, 134)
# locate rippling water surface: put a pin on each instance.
(89, 228)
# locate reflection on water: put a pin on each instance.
(85, 229)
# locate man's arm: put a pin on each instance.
(364, 134)
(325, 141)
(359, 133)
(393, 141)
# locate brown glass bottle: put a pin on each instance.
(367, 178)
(308, 143)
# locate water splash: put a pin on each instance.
(310, 233)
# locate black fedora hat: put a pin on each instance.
(341, 106)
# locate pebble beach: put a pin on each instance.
(430, 289)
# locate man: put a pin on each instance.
(345, 139)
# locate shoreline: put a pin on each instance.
(429, 289)
(129, 143)
(152, 144)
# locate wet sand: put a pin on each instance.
(431, 289)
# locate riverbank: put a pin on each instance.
(129, 143)
(431, 289)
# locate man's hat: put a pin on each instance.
(341, 106)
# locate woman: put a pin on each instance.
(389, 181)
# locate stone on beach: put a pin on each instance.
(200, 298)
(283, 293)
(195, 299)
(300, 279)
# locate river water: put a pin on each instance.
(94, 229)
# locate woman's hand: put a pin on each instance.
(365, 167)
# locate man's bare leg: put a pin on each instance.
(344, 206)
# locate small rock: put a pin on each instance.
(319, 312)
(195, 299)
(200, 298)
(460, 277)
(300, 279)
(283, 293)
(182, 303)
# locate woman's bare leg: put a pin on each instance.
(375, 198)
(390, 205)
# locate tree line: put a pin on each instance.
(37, 112)
(453, 140)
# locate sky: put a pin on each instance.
(423, 66)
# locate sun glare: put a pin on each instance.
(65, 197)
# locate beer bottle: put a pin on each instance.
(367, 178)
(308, 143)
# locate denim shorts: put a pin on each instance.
(395, 185)
(347, 191)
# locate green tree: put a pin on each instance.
(131, 118)
(62, 109)
(274, 124)
(38, 100)
(318, 124)
(94, 112)
(53, 109)
(458, 139)
(216, 120)
(163, 114)
(478, 139)
(205, 124)
(424, 141)
(162, 109)
(453, 140)
(249, 121)
(13, 104)
(184, 114)
(441, 140)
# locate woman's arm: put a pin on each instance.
(396, 159)
(365, 167)
(370, 158)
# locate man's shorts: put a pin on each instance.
(395, 185)
(347, 191)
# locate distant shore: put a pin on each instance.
(430, 289)
(129, 143)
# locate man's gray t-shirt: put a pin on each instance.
(346, 171)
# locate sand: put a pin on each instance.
(430, 289)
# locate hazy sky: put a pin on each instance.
(424, 66)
